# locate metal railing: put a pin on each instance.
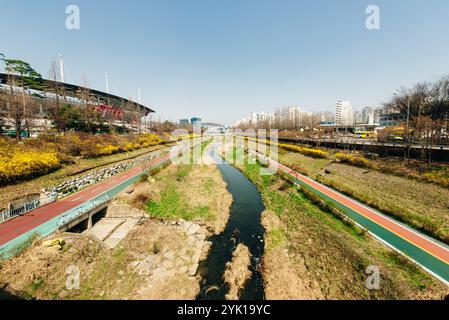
(79, 211)
(9, 214)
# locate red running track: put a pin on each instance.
(11, 229)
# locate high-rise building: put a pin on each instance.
(370, 115)
(327, 116)
(260, 118)
(358, 118)
(344, 114)
(196, 121)
(184, 122)
(290, 117)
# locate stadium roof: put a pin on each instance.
(71, 90)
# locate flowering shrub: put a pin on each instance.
(358, 161)
(20, 164)
(90, 146)
(106, 150)
(435, 178)
(315, 153)
(35, 157)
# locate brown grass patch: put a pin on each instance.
(237, 271)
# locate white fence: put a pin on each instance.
(9, 214)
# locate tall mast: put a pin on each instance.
(61, 67)
(107, 82)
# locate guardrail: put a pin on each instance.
(79, 211)
(12, 213)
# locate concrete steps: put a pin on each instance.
(121, 232)
(112, 230)
(104, 228)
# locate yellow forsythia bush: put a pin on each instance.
(108, 149)
(358, 161)
(435, 178)
(316, 153)
(34, 157)
(21, 164)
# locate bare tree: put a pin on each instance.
(88, 110)
(54, 87)
(425, 108)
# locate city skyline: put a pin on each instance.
(189, 60)
(358, 115)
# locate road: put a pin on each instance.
(14, 228)
(428, 253)
(362, 142)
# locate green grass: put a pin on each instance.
(208, 184)
(172, 206)
(183, 172)
(277, 237)
(20, 247)
(300, 215)
(35, 285)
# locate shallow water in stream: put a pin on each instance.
(244, 226)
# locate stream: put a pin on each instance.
(244, 226)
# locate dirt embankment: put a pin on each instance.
(192, 192)
(319, 257)
(282, 278)
(237, 271)
(158, 259)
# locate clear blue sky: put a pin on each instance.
(222, 59)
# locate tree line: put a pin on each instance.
(424, 112)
